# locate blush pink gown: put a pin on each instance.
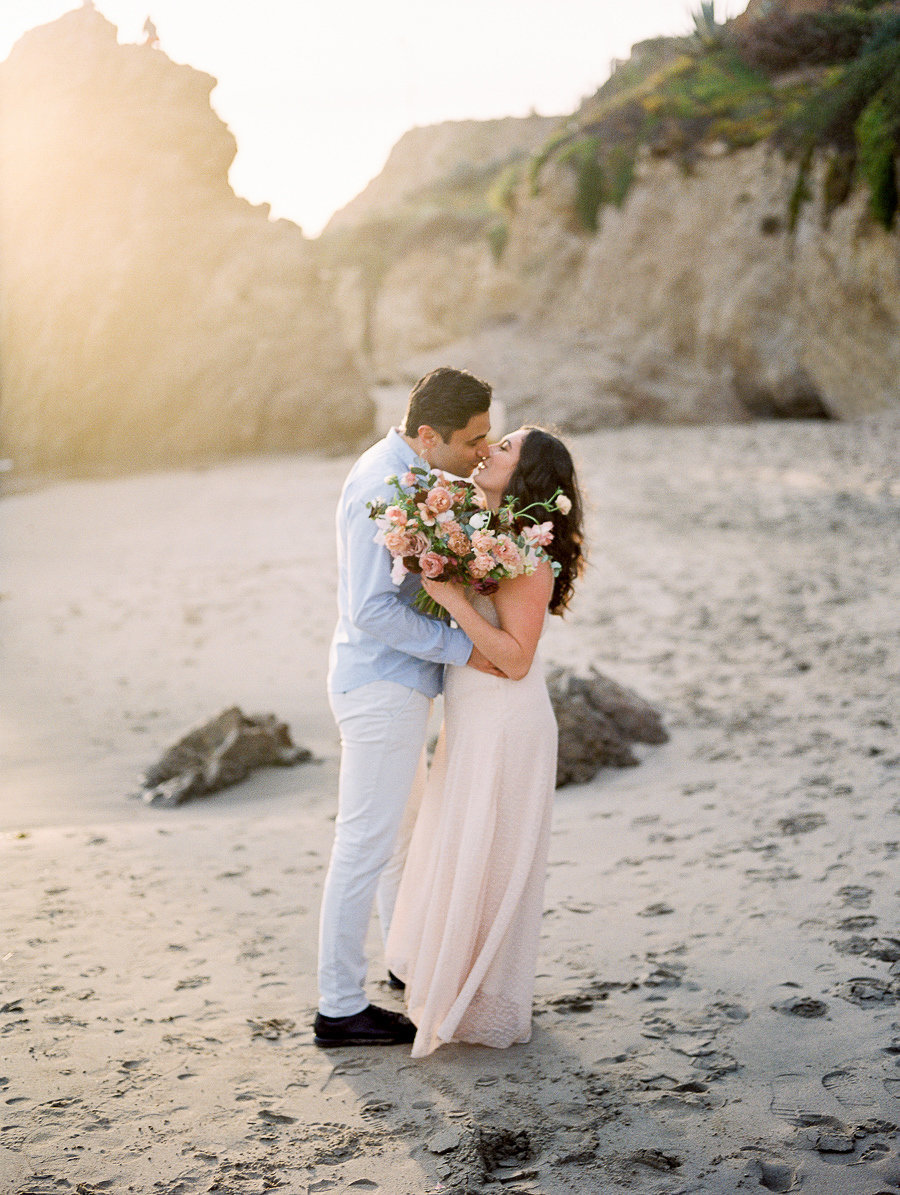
(466, 925)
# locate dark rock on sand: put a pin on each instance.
(220, 753)
(598, 721)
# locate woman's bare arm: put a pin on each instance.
(521, 604)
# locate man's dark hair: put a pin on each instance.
(446, 399)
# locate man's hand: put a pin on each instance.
(482, 664)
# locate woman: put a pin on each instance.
(465, 930)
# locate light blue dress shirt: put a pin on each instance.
(379, 636)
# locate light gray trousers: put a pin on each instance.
(383, 727)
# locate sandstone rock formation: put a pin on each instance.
(147, 315)
(693, 302)
(598, 720)
(696, 242)
(446, 155)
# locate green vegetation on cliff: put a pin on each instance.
(810, 83)
(817, 86)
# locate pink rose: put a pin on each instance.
(418, 543)
(539, 533)
(507, 552)
(397, 515)
(409, 479)
(439, 499)
(483, 542)
(432, 564)
(397, 543)
(480, 567)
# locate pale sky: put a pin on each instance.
(316, 93)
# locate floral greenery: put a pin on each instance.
(437, 527)
(582, 156)
(800, 193)
(501, 199)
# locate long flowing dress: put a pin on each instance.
(466, 926)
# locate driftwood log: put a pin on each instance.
(217, 754)
(598, 721)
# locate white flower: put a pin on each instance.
(398, 570)
(479, 520)
(563, 504)
(532, 558)
(445, 517)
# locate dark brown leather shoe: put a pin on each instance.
(395, 982)
(372, 1027)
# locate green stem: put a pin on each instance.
(427, 605)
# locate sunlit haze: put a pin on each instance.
(316, 94)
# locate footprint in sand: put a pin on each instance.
(867, 992)
(794, 1098)
(658, 909)
(272, 1117)
(775, 1175)
(850, 1086)
(856, 896)
(192, 981)
(802, 1006)
(801, 823)
(855, 924)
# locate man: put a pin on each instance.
(385, 667)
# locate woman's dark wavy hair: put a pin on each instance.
(545, 465)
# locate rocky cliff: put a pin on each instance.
(449, 156)
(692, 302)
(682, 248)
(147, 315)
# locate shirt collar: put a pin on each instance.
(408, 455)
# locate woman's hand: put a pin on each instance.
(448, 594)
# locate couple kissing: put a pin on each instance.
(453, 855)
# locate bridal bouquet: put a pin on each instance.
(439, 528)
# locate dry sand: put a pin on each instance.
(718, 1004)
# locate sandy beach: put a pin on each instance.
(718, 999)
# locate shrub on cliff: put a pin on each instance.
(731, 90)
(855, 111)
(671, 111)
(785, 40)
